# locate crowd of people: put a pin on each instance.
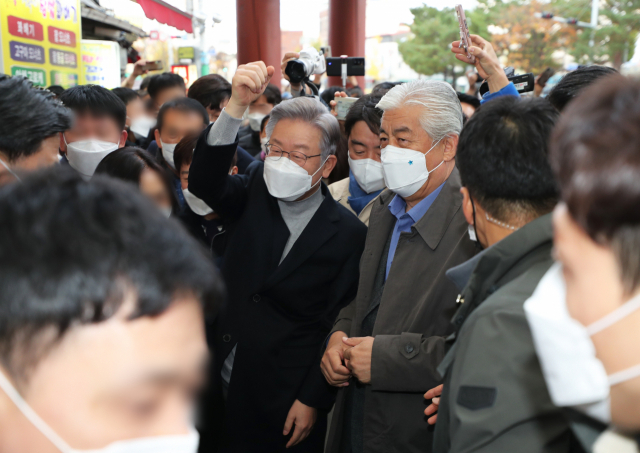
(230, 268)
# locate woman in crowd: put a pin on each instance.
(137, 166)
(586, 312)
(365, 181)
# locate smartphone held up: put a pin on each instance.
(465, 37)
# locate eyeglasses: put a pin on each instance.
(296, 156)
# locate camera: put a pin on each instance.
(523, 83)
(310, 62)
(354, 66)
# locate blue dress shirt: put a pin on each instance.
(407, 219)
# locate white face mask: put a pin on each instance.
(263, 144)
(287, 180)
(405, 170)
(186, 443)
(85, 155)
(142, 125)
(167, 152)
(368, 174)
(255, 121)
(574, 375)
(196, 204)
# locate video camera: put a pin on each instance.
(523, 82)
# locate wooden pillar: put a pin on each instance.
(347, 31)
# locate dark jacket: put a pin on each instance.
(249, 140)
(495, 398)
(278, 315)
(413, 319)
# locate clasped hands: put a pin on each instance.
(346, 357)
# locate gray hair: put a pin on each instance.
(442, 113)
(312, 111)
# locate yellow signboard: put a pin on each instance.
(100, 63)
(41, 40)
(186, 53)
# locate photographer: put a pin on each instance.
(291, 263)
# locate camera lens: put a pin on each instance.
(296, 71)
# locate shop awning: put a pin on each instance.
(167, 14)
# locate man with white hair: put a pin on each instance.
(290, 265)
(385, 346)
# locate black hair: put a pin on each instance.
(146, 81)
(163, 82)
(329, 94)
(382, 88)
(210, 91)
(183, 105)
(183, 153)
(355, 92)
(264, 122)
(575, 81)
(57, 90)
(594, 153)
(503, 160)
(468, 99)
(28, 116)
(97, 101)
(364, 109)
(273, 95)
(126, 95)
(72, 252)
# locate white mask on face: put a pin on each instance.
(405, 170)
(142, 125)
(574, 375)
(368, 174)
(186, 443)
(85, 155)
(255, 121)
(263, 144)
(286, 180)
(166, 211)
(196, 204)
(167, 153)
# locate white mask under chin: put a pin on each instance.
(286, 180)
(167, 153)
(368, 174)
(85, 155)
(142, 125)
(255, 121)
(405, 170)
(197, 205)
(184, 443)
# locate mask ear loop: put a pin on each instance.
(10, 170)
(31, 415)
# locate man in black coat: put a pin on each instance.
(290, 265)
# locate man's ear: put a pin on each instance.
(123, 139)
(234, 170)
(156, 134)
(63, 145)
(450, 147)
(467, 206)
(329, 166)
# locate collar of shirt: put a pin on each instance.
(398, 205)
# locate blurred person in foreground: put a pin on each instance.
(291, 264)
(358, 192)
(213, 92)
(585, 313)
(30, 123)
(495, 397)
(137, 166)
(102, 341)
(98, 128)
(384, 346)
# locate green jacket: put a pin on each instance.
(495, 398)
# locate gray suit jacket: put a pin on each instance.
(413, 319)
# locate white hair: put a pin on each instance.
(442, 113)
(312, 111)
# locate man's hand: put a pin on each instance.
(304, 417)
(332, 366)
(247, 85)
(138, 68)
(487, 62)
(434, 396)
(334, 104)
(358, 357)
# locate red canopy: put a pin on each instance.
(167, 14)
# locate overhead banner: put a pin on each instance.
(41, 40)
(100, 63)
